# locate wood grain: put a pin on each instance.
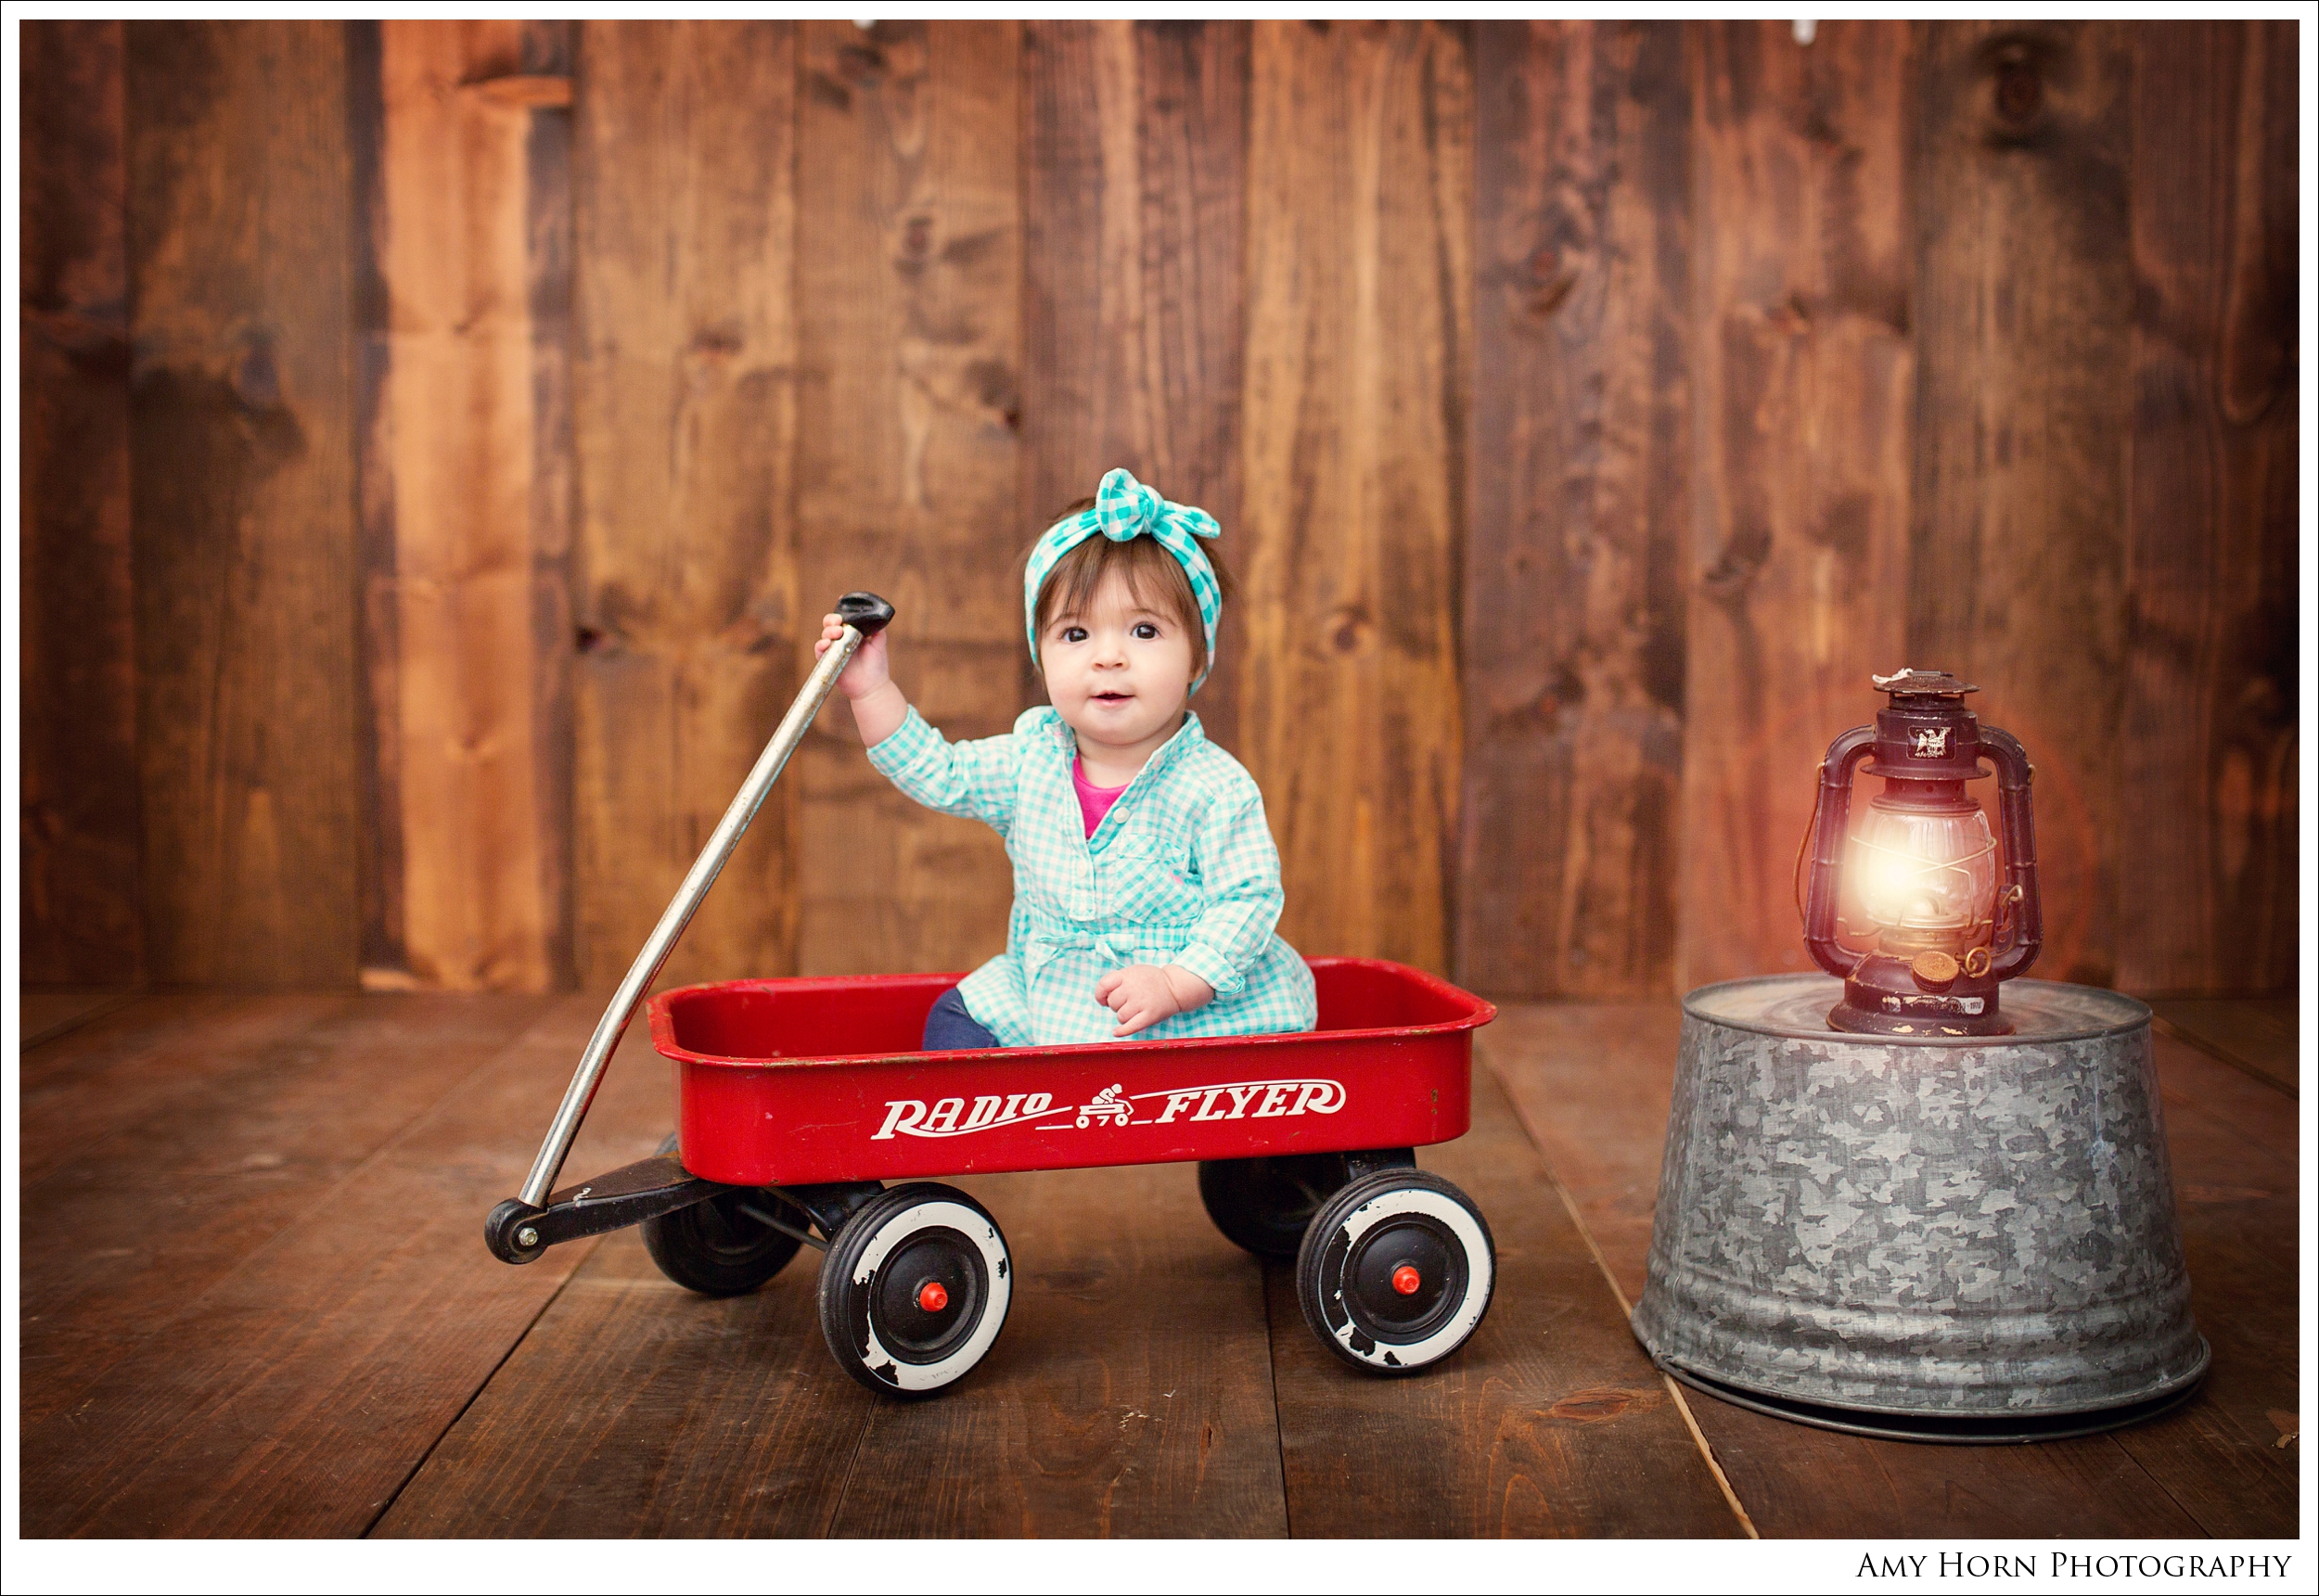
(83, 918)
(1593, 1085)
(1360, 343)
(1549, 1421)
(183, 1184)
(254, 1304)
(636, 1407)
(2257, 1035)
(1134, 145)
(685, 421)
(907, 479)
(2208, 731)
(1581, 465)
(148, 1061)
(2024, 322)
(2233, 1145)
(451, 428)
(1131, 1393)
(297, 1393)
(1806, 368)
(45, 1013)
(243, 501)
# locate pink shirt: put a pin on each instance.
(1095, 802)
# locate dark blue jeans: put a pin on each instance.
(950, 1028)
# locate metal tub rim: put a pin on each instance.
(2165, 1387)
(1996, 1427)
(1699, 1004)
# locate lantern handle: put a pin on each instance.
(1830, 815)
(2014, 774)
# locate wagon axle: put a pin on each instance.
(653, 1189)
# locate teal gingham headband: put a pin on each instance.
(1126, 509)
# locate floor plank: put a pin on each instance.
(635, 1407)
(1550, 1422)
(2256, 1034)
(1131, 1395)
(1592, 1084)
(151, 1060)
(295, 1396)
(47, 1014)
(300, 1323)
(165, 1206)
(2236, 1176)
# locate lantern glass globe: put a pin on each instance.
(1927, 879)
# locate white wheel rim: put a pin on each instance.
(998, 1292)
(1479, 1274)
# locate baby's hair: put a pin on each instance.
(1153, 577)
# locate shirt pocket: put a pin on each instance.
(1144, 875)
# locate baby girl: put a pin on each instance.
(1147, 884)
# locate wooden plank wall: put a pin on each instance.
(81, 911)
(908, 468)
(241, 497)
(684, 419)
(464, 720)
(1804, 373)
(1359, 339)
(1581, 473)
(443, 438)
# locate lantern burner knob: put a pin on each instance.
(1934, 969)
(1910, 682)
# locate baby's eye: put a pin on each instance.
(1145, 630)
(1074, 635)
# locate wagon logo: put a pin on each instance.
(1107, 1107)
(1230, 1100)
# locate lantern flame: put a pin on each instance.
(1927, 879)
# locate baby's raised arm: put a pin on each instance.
(975, 778)
(878, 706)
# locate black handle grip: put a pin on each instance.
(866, 612)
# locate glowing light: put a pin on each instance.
(1926, 873)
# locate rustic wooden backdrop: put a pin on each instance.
(440, 439)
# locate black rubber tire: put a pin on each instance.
(895, 1242)
(714, 1248)
(1356, 1243)
(1264, 1205)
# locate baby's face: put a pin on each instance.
(1119, 672)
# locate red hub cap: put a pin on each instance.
(933, 1299)
(1407, 1280)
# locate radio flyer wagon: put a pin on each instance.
(798, 1100)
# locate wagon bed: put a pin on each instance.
(801, 1080)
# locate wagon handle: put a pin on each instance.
(864, 614)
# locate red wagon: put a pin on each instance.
(797, 1100)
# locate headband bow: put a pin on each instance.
(1126, 509)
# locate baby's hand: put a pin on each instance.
(1141, 995)
(866, 671)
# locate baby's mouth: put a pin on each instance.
(1113, 697)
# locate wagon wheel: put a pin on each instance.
(718, 1248)
(1264, 1204)
(1396, 1271)
(915, 1289)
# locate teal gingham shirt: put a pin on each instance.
(1181, 871)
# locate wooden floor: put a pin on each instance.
(256, 1301)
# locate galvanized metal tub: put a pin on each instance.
(1967, 1238)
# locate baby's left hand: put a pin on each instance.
(1145, 994)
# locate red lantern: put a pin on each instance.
(1947, 926)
